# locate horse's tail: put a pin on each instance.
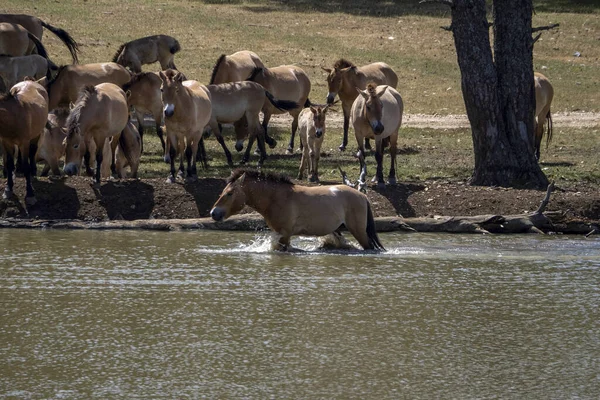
(283, 105)
(67, 39)
(255, 72)
(371, 231)
(128, 152)
(549, 136)
(41, 50)
(175, 47)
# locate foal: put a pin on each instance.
(312, 133)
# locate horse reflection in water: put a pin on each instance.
(291, 209)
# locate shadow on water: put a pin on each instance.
(126, 199)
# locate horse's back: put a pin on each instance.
(29, 22)
(288, 82)
(233, 99)
(28, 114)
(113, 109)
(14, 40)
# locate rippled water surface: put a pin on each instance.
(217, 315)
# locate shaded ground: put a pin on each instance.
(74, 198)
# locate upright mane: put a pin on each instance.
(216, 68)
(53, 80)
(259, 176)
(119, 50)
(372, 89)
(75, 114)
(134, 79)
(255, 72)
(343, 63)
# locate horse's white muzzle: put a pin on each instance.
(169, 110)
(217, 214)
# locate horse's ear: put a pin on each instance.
(43, 81)
(64, 142)
(381, 90)
(179, 77)
(128, 94)
(314, 110)
(344, 70)
(328, 70)
(363, 93)
(71, 105)
(241, 178)
(162, 75)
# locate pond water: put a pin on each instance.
(210, 314)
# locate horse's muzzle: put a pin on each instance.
(169, 110)
(217, 214)
(318, 133)
(330, 98)
(239, 145)
(70, 169)
(377, 128)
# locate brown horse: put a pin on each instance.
(36, 27)
(235, 67)
(291, 209)
(312, 134)
(14, 69)
(64, 88)
(544, 93)
(286, 82)
(377, 114)
(145, 98)
(148, 50)
(345, 78)
(187, 110)
(100, 112)
(51, 146)
(16, 41)
(23, 115)
(232, 102)
(129, 151)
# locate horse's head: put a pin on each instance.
(231, 201)
(373, 108)
(74, 149)
(319, 119)
(172, 84)
(334, 82)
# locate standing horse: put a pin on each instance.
(148, 50)
(99, 113)
(35, 66)
(544, 93)
(16, 41)
(345, 78)
(64, 88)
(286, 82)
(23, 115)
(187, 109)
(145, 98)
(36, 27)
(312, 134)
(291, 209)
(377, 114)
(235, 67)
(128, 151)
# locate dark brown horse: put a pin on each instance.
(148, 50)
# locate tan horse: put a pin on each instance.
(14, 69)
(64, 88)
(291, 209)
(187, 110)
(148, 50)
(344, 78)
(51, 146)
(36, 27)
(312, 134)
(544, 93)
(232, 102)
(16, 41)
(377, 114)
(99, 113)
(145, 98)
(23, 115)
(235, 67)
(286, 82)
(129, 151)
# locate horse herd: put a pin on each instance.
(84, 112)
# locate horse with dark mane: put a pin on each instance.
(235, 67)
(147, 50)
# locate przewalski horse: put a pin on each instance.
(286, 82)
(17, 41)
(235, 67)
(23, 115)
(128, 152)
(312, 134)
(544, 93)
(187, 110)
(290, 209)
(100, 112)
(145, 98)
(344, 78)
(15, 69)
(377, 114)
(51, 146)
(147, 50)
(234, 101)
(36, 27)
(64, 88)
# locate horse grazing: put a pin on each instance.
(16, 41)
(129, 151)
(64, 88)
(51, 146)
(36, 27)
(100, 112)
(187, 110)
(235, 67)
(377, 114)
(544, 93)
(291, 209)
(345, 78)
(15, 69)
(145, 98)
(286, 82)
(23, 115)
(148, 50)
(312, 134)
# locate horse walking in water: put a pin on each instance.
(343, 80)
(235, 67)
(100, 112)
(187, 110)
(544, 93)
(23, 115)
(291, 209)
(64, 88)
(147, 50)
(377, 114)
(15, 69)
(312, 134)
(145, 98)
(286, 82)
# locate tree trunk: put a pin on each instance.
(498, 91)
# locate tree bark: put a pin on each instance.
(498, 90)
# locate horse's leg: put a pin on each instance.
(99, 156)
(189, 152)
(379, 159)
(317, 158)
(140, 118)
(26, 166)
(9, 166)
(172, 155)
(46, 169)
(86, 162)
(357, 226)
(361, 159)
(261, 145)
(266, 118)
(160, 134)
(312, 160)
(290, 148)
(305, 157)
(346, 110)
(203, 157)
(393, 152)
(33, 146)
(283, 243)
(221, 141)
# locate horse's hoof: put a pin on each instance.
(289, 151)
(380, 185)
(342, 147)
(170, 179)
(30, 201)
(392, 180)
